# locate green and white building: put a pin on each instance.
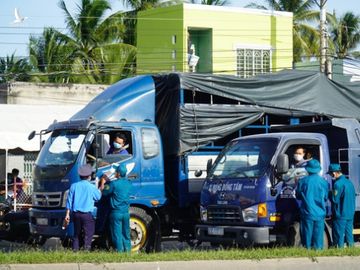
(228, 40)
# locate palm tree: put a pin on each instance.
(49, 57)
(345, 34)
(305, 37)
(82, 55)
(13, 69)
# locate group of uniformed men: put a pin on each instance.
(313, 191)
(80, 202)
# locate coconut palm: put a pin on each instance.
(80, 55)
(49, 57)
(305, 37)
(13, 69)
(345, 34)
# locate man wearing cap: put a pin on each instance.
(80, 202)
(119, 219)
(343, 207)
(312, 190)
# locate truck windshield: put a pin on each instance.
(61, 148)
(247, 158)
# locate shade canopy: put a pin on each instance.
(17, 121)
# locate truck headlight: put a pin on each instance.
(65, 198)
(252, 213)
(203, 214)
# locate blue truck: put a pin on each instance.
(173, 124)
(248, 196)
(165, 196)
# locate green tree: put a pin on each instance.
(345, 34)
(306, 38)
(85, 54)
(13, 69)
(49, 57)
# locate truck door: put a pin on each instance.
(111, 147)
(152, 172)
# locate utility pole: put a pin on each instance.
(325, 64)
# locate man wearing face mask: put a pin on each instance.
(299, 157)
(297, 169)
(343, 207)
(119, 145)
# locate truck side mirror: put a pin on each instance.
(208, 166)
(198, 173)
(32, 135)
(282, 164)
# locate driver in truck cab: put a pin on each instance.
(119, 145)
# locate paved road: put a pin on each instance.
(325, 263)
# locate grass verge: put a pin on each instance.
(32, 257)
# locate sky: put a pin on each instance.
(45, 13)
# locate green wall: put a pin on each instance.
(217, 31)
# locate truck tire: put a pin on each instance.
(293, 235)
(294, 238)
(142, 237)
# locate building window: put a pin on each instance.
(173, 54)
(251, 62)
(173, 39)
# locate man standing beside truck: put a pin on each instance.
(343, 207)
(80, 202)
(119, 219)
(312, 190)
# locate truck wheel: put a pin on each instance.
(140, 234)
(294, 238)
(293, 235)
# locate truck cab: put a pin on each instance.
(68, 148)
(248, 196)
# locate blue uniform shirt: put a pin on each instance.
(119, 192)
(312, 190)
(82, 196)
(343, 198)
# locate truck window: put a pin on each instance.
(150, 143)
(245, 158)
(62, 148)
(297, 168)
(106, 151)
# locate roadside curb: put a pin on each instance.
(318, 263)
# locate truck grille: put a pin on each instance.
(46, 199)
(224, 214)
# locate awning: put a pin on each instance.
(17, 121)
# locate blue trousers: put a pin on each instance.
(343, 230)
(312, 233)
(84, 228)
(119, 223)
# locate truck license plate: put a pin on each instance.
(42, 221)
(215, 231)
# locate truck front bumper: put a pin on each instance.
(233, 234)
(47, 223)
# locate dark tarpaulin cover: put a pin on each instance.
(292, 93)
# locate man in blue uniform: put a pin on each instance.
(119, 218)
(343, 207)
(312, 190)
(80, 202)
